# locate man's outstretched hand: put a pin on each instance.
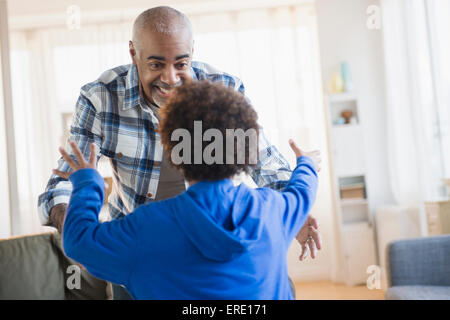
(308, 236)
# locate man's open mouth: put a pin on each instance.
(163, 91)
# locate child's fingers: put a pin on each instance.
(312, 248)
(77, 152)
(313, 222)
(93, 155)
(304, 253)
(68, 158)
(295, 148)
(316, 237)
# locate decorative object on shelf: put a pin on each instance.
(353, 191)
(447, 182)
(346, 77)
(337, 84)
(339, 121)
(347, 114)
(353, 120)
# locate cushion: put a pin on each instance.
(418, 293)
(35, 267)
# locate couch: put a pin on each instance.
(419, 269)
(35, 267)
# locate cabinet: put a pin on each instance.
(349, 177)
(438, 217)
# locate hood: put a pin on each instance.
(222, 221)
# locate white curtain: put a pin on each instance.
(48, 68)
(416, 50)
(273, 50)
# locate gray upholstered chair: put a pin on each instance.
(35, 267)
(419, 269)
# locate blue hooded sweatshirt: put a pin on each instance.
(214, 241)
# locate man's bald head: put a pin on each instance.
(163, 20)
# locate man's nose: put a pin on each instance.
(170, 76)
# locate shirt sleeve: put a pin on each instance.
(299, 196)
(107, 250)
(85, 128)
(272, 170)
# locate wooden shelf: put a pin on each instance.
(346, 126)
(342, 97)
(353, 202)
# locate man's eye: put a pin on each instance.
(182, 65)
(155, 65)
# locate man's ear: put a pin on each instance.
(132, 52)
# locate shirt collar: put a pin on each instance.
(132, 95)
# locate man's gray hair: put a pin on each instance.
(163, 19)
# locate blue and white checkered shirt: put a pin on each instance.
(111, 112)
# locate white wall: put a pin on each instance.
(344, 36)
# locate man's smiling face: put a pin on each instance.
(163, 62)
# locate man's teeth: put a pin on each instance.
(164, 90)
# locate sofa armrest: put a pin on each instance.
(420, 261)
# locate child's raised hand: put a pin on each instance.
(314, 155)
(80, 163)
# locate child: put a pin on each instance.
(214, 241)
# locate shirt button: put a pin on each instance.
(149, 195)
(120, 154)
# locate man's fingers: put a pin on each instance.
(68, 158)
(78, 154)
(93, 155)
(62, 174)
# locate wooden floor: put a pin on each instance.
(328, 290)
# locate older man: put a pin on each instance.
(119, 113)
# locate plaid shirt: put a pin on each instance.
(112, 113)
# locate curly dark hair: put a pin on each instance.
(217, 107)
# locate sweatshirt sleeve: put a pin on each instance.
(299, 196)
(107, 250)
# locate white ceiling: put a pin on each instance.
(50, 7)
(31, 14)
(55, 7)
